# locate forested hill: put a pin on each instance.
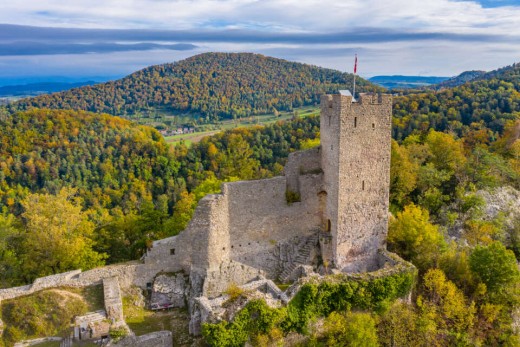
(458, 80)
(111, 161)
(213, 85)
(481, 106)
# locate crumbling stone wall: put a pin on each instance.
(261, 219)
(203, 245)
(126, 274)
(112, 298)
(301, 163)
(155, 339)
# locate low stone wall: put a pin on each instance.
(389, 264)
(217, 281)
(76, 278)
(155, 339)
(205, 310)
(27, 343)
(112, 298)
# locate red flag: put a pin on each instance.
(355, 65)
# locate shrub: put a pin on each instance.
(118, 333)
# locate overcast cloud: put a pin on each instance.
(418, 37)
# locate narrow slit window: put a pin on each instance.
(329, 120)
(363, 185)
(355, 122)
(329, 225)
(373, 125)
(172, 251)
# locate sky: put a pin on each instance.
(105, 39)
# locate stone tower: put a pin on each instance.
(355, 158)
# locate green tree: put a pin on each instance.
(9, 239)
(353, 329)
(58, 235)
(237, 161)
(495, 266)
(445, 304)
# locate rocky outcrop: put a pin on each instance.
(225, 307)
(503, 200)
(171, 290)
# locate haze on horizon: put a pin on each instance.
(111, 38)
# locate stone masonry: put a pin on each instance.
(355, 145)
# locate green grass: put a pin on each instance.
(93, 296)
(283, 286)
(143, 321)
(42, 314)
(262, 119)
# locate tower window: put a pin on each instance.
(172, 251)
(329, 225)
(373, 125)
(355, 122)
(363, 185)
(329, 120)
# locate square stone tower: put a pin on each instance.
(355, 158)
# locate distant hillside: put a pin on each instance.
(486, 103)
(210, 85)
(34, 89)
(399, 81)
(464, 77)
(509, 73)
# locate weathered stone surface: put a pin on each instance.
(504, 200)
(175, 287)
(204, 310)
(355, 144)
(155, 339)
(112, 298)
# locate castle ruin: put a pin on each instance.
(330, 209)
(329, 213)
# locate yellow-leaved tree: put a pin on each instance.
(412, 236)
(58, 235)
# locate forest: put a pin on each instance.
(209, 86)
(102, 188)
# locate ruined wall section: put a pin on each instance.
(363, 184)
(204, 244)
(330, 133)
(125, 272)
(301, 163)
(260, 219)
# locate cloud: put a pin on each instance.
(443, 37)
(268, 15)
(17, 35)
(42, 48)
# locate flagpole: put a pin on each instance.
(354, 88)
